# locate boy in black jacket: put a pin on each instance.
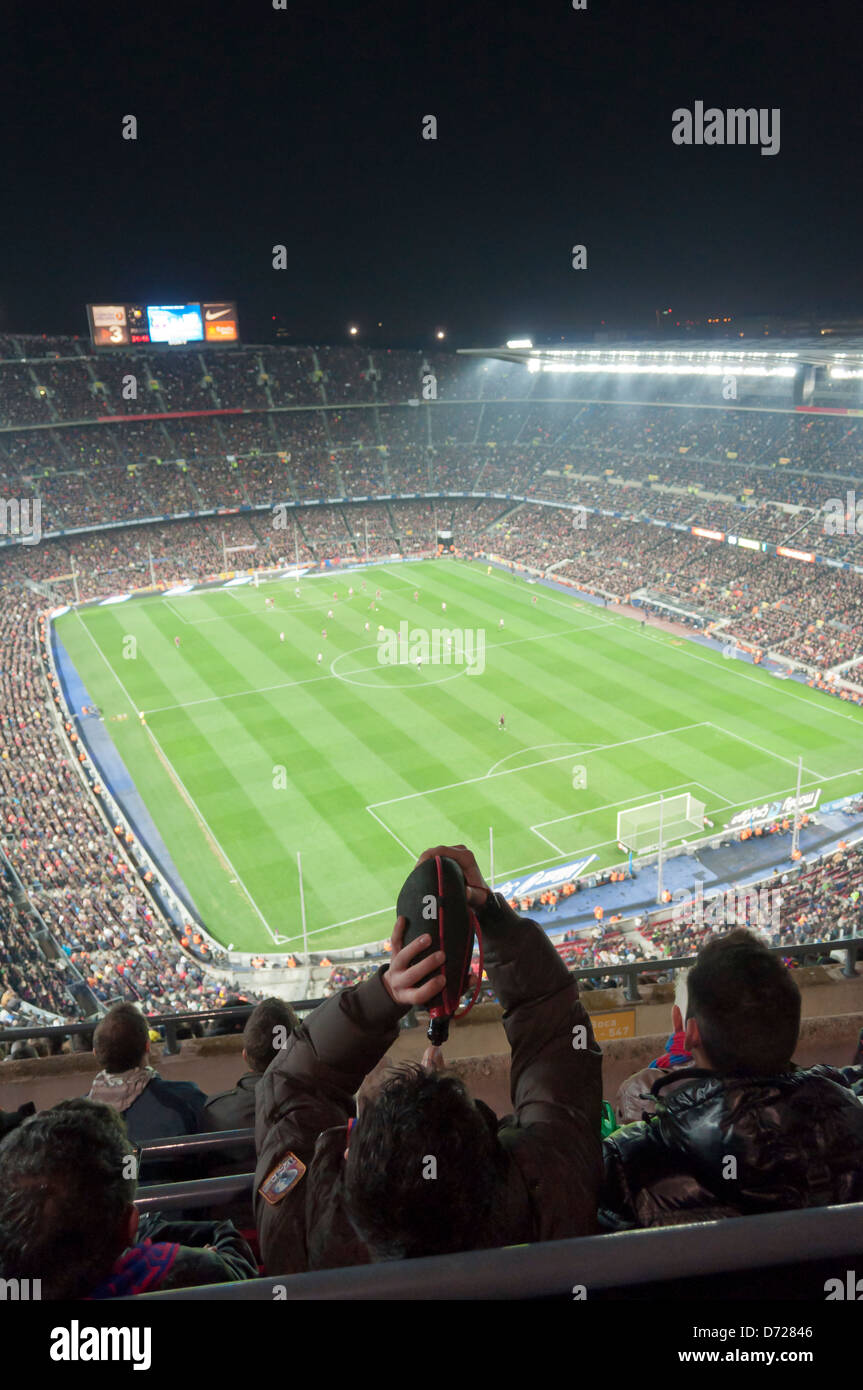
(743, 1130)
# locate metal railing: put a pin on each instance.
(186, 1145)
(189, 1194)
(198, 1192)
(170, 1023)
(628, 971)
(631, 970)
(734, 1246)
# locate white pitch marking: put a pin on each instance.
(535, 748)
(557, 849)
(767, 753)
(631, 627)
(470, 781)
(360, 671)
(400, 578)
(385, 827)
(625, 801)
(198, 811)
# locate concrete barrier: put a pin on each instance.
(599, 1001)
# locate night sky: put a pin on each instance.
(303, 127)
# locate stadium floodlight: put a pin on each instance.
(514, 343)
(440, 333)
(353, 330)
(666, 369)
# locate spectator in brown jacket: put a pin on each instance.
(331, 1193)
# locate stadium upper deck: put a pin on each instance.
(104, 440)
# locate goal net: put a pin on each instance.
(676, 817)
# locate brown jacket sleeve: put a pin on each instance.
(307, 1088)
(556, 1074)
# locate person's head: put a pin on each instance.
(423, 1168)
(21, 1051)
(66, 1202)
(224, 1027)
(122, 1039)
(261, 1042)
(743, 1007)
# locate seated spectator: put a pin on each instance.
(151, 1107)
(67, 1215)
(223, 1027)
(635, 1099)
(745, 1130)
(21, 1051)
(676, 1053)
(235, 1109)
(267, 1030)
(330, 1194)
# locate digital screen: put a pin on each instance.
(173, 325)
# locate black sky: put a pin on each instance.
(303, 126)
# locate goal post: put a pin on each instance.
(642, 829)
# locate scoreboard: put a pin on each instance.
(171, 325)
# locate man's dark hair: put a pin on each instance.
(21, 1051)
(63, 1198)
(120, 1040)
(258, 1033)
(746, 1005)
(424, 1169)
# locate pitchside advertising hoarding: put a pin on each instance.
(166, 325)
(775, 810)
(531, 884)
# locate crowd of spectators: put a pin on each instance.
(70, 862)
(811, 614)
(820, 904)
(489, 425)
(562, 1164)
(343, 975)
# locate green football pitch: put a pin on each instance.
(252, 751)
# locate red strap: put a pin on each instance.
(478, 931)
(447, 1008)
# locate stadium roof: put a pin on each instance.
(662, 355)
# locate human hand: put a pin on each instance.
(409, 984)
(433, 1059)
(478, 890)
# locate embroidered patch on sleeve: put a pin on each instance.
(287, 1173)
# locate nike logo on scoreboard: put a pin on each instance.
(211, 314)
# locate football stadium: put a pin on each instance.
(431, 765)
(612, 647)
